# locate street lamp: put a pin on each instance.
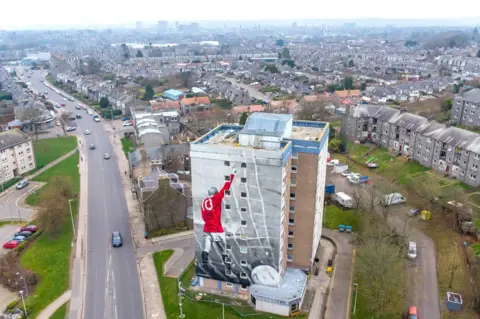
(355, 303)
(23, 301)
(71, 216)
(24, 283)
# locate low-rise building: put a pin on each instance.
(174, 95)
(16, 154)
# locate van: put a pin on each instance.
(343, 199)
(412, 250)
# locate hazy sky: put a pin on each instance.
(28, 13)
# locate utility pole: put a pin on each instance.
(355, 303)
(71, 216)
(24, 283)
(180, 296)
(23, 301)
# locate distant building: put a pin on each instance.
(162, 25)
(272, 213)
(16, 154)
(174, 95)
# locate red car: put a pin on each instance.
(30, 228)
(412, 312)
(11, 244)
(63, 104)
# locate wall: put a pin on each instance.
(260, 210)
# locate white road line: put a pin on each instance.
(24, 194)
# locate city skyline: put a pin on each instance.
(53, 15)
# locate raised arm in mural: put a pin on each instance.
(212, 216)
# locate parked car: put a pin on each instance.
(11, 244)
(106, 156)
(70, 128)
(412, 312)
(18, 238)
(63, 104)
(414, 212)
(87, 132)
(92, 146)
(30, 228)
(24, 233)
(57, 123)
(22, 184)
(117, 239)
(346, 173)
(392, 199)
(97, 119)
(333, 162)
(372, 165)
(127, 123)
(126, 118)
(78, 116)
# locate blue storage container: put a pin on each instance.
(330, 188)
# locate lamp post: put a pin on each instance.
(23, 301)
(24, 283)
(71, 216)
(355, 302)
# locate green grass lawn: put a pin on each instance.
(61, 312)
(48, 150)
(127, 146)
(335, 216)
(50, 258)
(192, 309)
(67, 167)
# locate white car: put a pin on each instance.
(90, 112)
(57, 123)
(97, 119)
(87, 132)
(65, 99)
(393, 199)
(127, 123)
(348, 173)
(333, 162)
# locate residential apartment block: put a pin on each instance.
(447, 149)
(16, 153)
(272, 213)
(466, 108)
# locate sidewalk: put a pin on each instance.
(51, 308)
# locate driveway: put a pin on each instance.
(422, 272)
(12, 206)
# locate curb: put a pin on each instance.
(172, 236)
(142, 290)
(330, 285)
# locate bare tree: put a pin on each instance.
(34, 116)
(312, 111)
(64, 121)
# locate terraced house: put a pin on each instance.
(447, 149)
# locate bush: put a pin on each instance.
(12, 305)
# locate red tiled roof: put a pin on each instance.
(248, 108)
(165, 105)
(348, 93)
(196, 100)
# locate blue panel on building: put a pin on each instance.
(219, 285)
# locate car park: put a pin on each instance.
(106, 156)
(30, 228)
(11, 244)
(87, 132)
(22, 184)
(117, 239)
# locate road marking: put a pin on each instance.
(23, 194)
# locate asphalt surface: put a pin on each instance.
(422, 272)
(9, 203)
(112, 283)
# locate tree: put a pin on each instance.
(348, 83)
(149, 93)
(126, 51)
(446, 105)
(312, 111)
(139, 54)
(33, 116)
(64, 121)
(363, 86)
(53, 202)
(272, 68)
(243, 118)
(286, 53)
(289, 62)
(315, 69)
(351, 64)
(104, 102)
(334, 145)
(187, 79)
(240, 58)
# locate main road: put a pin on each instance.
(112, 282)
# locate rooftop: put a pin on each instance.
(290, 287)
(11, 138)
(306, 133)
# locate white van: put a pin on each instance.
(412, 250)
(392, 199)
(343, 199)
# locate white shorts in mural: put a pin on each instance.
(218, 238)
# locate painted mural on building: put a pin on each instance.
(236, 239)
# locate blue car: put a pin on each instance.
(18, 238)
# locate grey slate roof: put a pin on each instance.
(472, 96)
(11, 138)
(409, 121)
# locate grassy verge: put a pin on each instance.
(50, 258)
(48, 150)
(67, 167)
(127, 146)
(61, 312)
(192, 309)
(335, 216)
(168, 231)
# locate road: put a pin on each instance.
(254, 93)
(9, 203)
(112, 282)
(421, 273)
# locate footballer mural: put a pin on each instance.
(236, 241)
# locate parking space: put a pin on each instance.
(6, 232)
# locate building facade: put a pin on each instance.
(16, 154)
(271, 215)
(444, 148)
(466, 108)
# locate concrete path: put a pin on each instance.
(338, 304)
(51, 308)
